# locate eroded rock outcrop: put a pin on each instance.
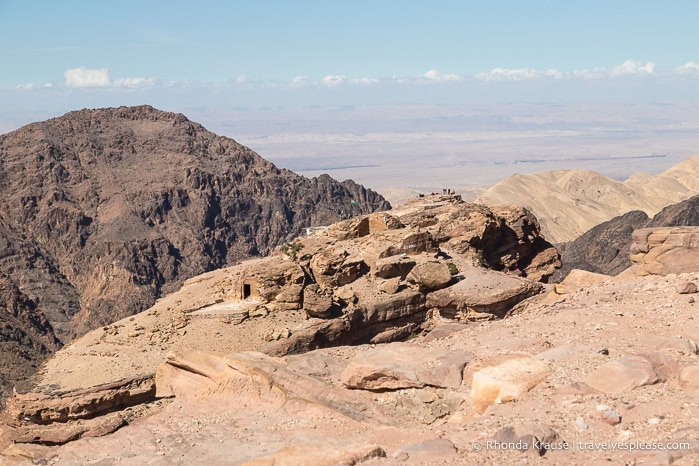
(374, 279)
(661, 251)
(606, 247)
(437, 398)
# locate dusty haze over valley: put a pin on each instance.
(402, 150)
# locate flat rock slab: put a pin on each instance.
(233, 312)
(405, 366)
(319, 455)
(630, 372)
(506, 382)
(568, 353)
(483, 291)
(577, 279)
(426, 451)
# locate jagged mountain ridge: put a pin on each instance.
(102, 211)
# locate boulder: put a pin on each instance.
(630, 372)
(429, 276)
(390, 286)
(290, 298)
(506, 382)
(679, 345)
(686, 288)
(399, 366)
(394, 266)
(577, 279)
(689, 377)
(410, 242)
(316, 301)
(335, 267)
(345, 295)
(662, 251)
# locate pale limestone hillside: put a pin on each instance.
(570, 202)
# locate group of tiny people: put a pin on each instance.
(445, 191)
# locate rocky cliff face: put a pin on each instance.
(26, 337)
(103, 211)
(606, 247)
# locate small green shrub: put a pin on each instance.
(453, 269)
(292, 249)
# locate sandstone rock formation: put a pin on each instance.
(223, 406)
(661, 251)
(605, 248)
(326, 289)
(570, 202)
(506, 382)
(103, 211)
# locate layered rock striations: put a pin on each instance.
(663, 251)
(613, 362)
(372, 279)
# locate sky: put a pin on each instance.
(130, 44)
(237, 64)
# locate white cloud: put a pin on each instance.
(25, 87)
(299, 81)
(435, 75)
(366, 81)
(241, 79)
(333, 80)
(633, 67)
(689, 67)
(83, 77)
(628, 68)
(552, 73)
(518, 74)
(595, 73)
(134, 82)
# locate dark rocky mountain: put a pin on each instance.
(683, 213)
(605, 248)
(103, 211)
(26, 336)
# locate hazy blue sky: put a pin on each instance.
(333, 44)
